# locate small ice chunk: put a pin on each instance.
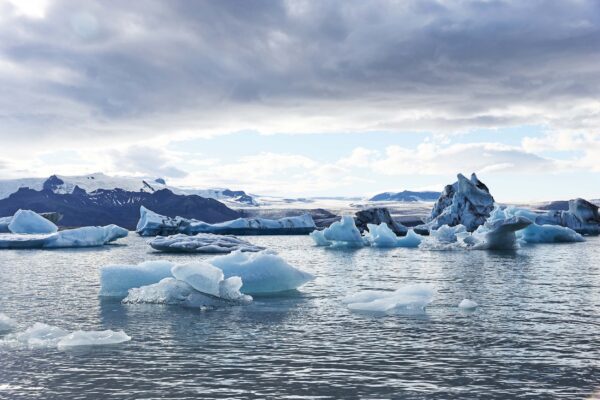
(409, 298)
(535, 233)
(39, 335)
(27, 221)
(343, 233)
(92, 338)
(468, 304)
(6, 323)
(116, 280)
(262, 272)
(87, 236)
(382, 236)
(167, 291)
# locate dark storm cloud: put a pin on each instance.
(93, 64)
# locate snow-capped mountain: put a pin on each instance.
(60, 184)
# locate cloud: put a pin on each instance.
(101, 70)
(143, 160)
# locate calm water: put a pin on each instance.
(535, 335)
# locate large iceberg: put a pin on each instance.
(27, 221)
(201, 243)
(262, 272)
(466, 202)
(152, 224)
(41, 335)
(407, 299)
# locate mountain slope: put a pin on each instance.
(117, 206)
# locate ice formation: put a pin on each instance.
(539, 232)
(166, 291)
(201, 243)
(41, 335)
(382, 236)
(116, 280)
(410, 298)
(262, 272)
(27, 221)
(208, 279)
(88, 236)
(4, 222)
(6, 323)
(582, 217)
(340, 233)
(466, 202)
(152, 224)
(378, 216)
(468, 304)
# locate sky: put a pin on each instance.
(306, 98)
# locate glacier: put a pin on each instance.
(406, 299)
(41, 335)
(152, 224)
(260, 273)
(201, 243)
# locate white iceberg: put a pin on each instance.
(152, 224)
(201, 243)
(27, 221)
(262, 272)
(166, 291)
(468, 304)
(407, 299)
(7, 323)
(208, 279)
(88, 236)
(343, 233)
(382, 236)
(535, 233)
(41, 335)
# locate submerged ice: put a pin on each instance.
(6, 323)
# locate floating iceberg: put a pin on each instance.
(4, 222)
(88, 236)
(382, 236)
(152, 224)
(466, 202)
(201, 243)
(468, 304)
(41, 335)
(116, 280)
(261, 272)
(6, 323)
(208, 279)
(27, 221)
(582, 217)
(410, 298)
(535, 233)
(340, 233)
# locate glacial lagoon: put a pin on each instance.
(534, 335)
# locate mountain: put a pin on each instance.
(114, 206)
(60, 184)
(406, 195)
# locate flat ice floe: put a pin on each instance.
(407, 299)
(201, 243)
(41, 335)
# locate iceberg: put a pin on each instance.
(27, 221)
(261, 273)
(409, 298)
(535, 233)
(382, 236)
(208, 279)
(582, 217)
(41, 335)
(4, 222)
(152, 224)
(88, 236)
(116, 280)
(166, 291)
(341, 233)
(466, 202)
(202, 243)
(468, 304)
(6, 323)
